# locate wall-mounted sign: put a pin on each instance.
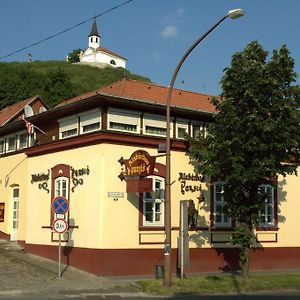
(76, 175)
(115, 194)
(140, 163)
(186, 186)
(42, 178)
(139, 185)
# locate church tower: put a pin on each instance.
(94, 37)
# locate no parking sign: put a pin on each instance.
(60, 205)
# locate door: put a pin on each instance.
(15, 214)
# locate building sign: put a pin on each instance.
(76, 175)
(139, 185)
(189, 183)
(42, 178)
(140, 163)
(115, 194)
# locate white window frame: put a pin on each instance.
(124, 117)
(225, 220)
(181, 124)
(268, 213)
(68, 125)
(157, 199)
(90, 118)
(156, 121)
(3, 142)
(7, 142)
(202, 128)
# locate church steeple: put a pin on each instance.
(94, 37)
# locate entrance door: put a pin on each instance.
(15, 214)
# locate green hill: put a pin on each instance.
(54, 81)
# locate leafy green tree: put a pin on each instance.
(73, 56)
(58, 86)
(254, 136)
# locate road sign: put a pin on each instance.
(60, 205)
(60, 225)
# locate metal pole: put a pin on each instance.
(59, 256)
(167, 257)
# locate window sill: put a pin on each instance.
(151, 228)
(270, 228)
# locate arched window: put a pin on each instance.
(112, 62)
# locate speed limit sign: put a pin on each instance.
(60, 226)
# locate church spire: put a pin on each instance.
(94, 29)
(94, 37)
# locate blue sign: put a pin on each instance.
(60, 205)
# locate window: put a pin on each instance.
(199, 129)
(153, 204)
(267, 214)
(61, 189)
(123, 120)
(90, 121)
(220, 218)
(11, 143)
(68, 127)
(2, 146)
(23, 140)
(156, 125)
(112, 62)
(182, 129)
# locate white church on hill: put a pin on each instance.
(99, 56)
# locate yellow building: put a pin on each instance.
(80, 153)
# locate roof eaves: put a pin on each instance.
(158, 103)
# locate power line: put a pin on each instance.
(65, 30)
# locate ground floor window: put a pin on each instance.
(219, 216)
(153, 204)
(267, 213)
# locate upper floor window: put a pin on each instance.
(68, 127)
(90, 121)
(198, 129)
(123, 120)
(11, 143)
(267, 213)
(181, 129)
(220, 217)
(153, 204)
(2, 146)
(23, 141)
(156, 125)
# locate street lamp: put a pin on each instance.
(233, 14)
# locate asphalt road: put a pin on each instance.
(26, 276)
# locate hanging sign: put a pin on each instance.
(140, 164)
(139, 185)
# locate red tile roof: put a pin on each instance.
(149, 92)
(110, 52)
(9, 112)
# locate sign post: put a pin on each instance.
(60, 206)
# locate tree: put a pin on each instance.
(58, 86)
(73, 56)
(254, 136)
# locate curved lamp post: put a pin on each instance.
(233, 14)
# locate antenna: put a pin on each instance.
(28, 111)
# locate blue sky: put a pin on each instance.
(153, 34)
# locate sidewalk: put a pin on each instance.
(22, 273)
